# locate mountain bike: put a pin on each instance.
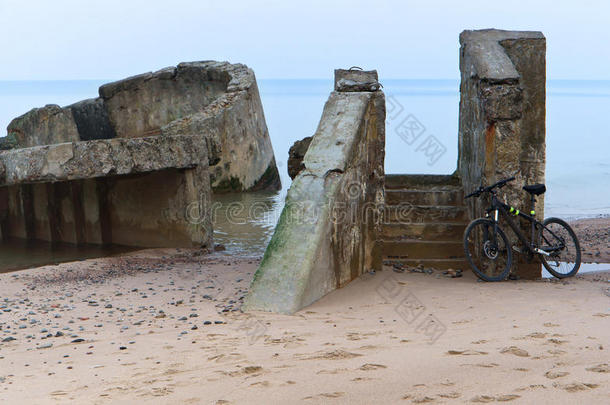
(488, 250)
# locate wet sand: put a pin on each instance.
(163, 326)
(594, 237)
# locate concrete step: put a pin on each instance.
(420, 181)
(448, 196)
(419, 249)
(441, 264)
(452, 231)
(409, 213)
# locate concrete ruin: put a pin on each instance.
(502, 119)
(326, 234)
(138, 165)
(416, 220)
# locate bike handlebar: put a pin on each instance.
(488, 189)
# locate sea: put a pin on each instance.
(577, 138)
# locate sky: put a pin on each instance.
(112, 39)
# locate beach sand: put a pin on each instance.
(594, 237)
(163, 326)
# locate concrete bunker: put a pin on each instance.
(418, 220)
(138, 165)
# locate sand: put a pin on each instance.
(594, 237)
(163, 327)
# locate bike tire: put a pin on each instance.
(469, 233)
(567, 231)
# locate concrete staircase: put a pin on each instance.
(424, 221)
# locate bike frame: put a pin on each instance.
(500, 208)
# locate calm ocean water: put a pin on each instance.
(578, 161)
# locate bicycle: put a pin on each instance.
(488, 249)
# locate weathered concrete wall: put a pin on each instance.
(502, 118)
(218, 101)
(327, 231)
(241, 155)
(150, 209)
(132, 167)
(167, 197)
(91, 119)
(99, 158)
(43, 126)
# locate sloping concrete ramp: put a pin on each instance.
(327, 231)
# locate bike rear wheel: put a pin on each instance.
(558, 238)
(487, 252)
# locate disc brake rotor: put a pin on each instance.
(490, 250)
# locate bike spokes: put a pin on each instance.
(487, 250)
(559, 240)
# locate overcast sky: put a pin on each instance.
(111, 39)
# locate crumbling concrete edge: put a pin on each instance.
(321, 241)
(100, 158)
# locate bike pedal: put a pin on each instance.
(517, 249)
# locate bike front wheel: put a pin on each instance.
(558, 239)
(487, 250)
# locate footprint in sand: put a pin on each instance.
(371, 366)
(333, 355)
(418, 399)
(484, 365)
(248, 370)
(326, 395)
(450, 395)
(515, 351)
(507, 397)
(498, 398)
(551, 375)
(465, 352)
(334, 371)
(600, 368)
(422, 400)
(576, 386)
(260, 384)
(533, 335)
(357, 379)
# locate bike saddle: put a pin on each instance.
(535, 189)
